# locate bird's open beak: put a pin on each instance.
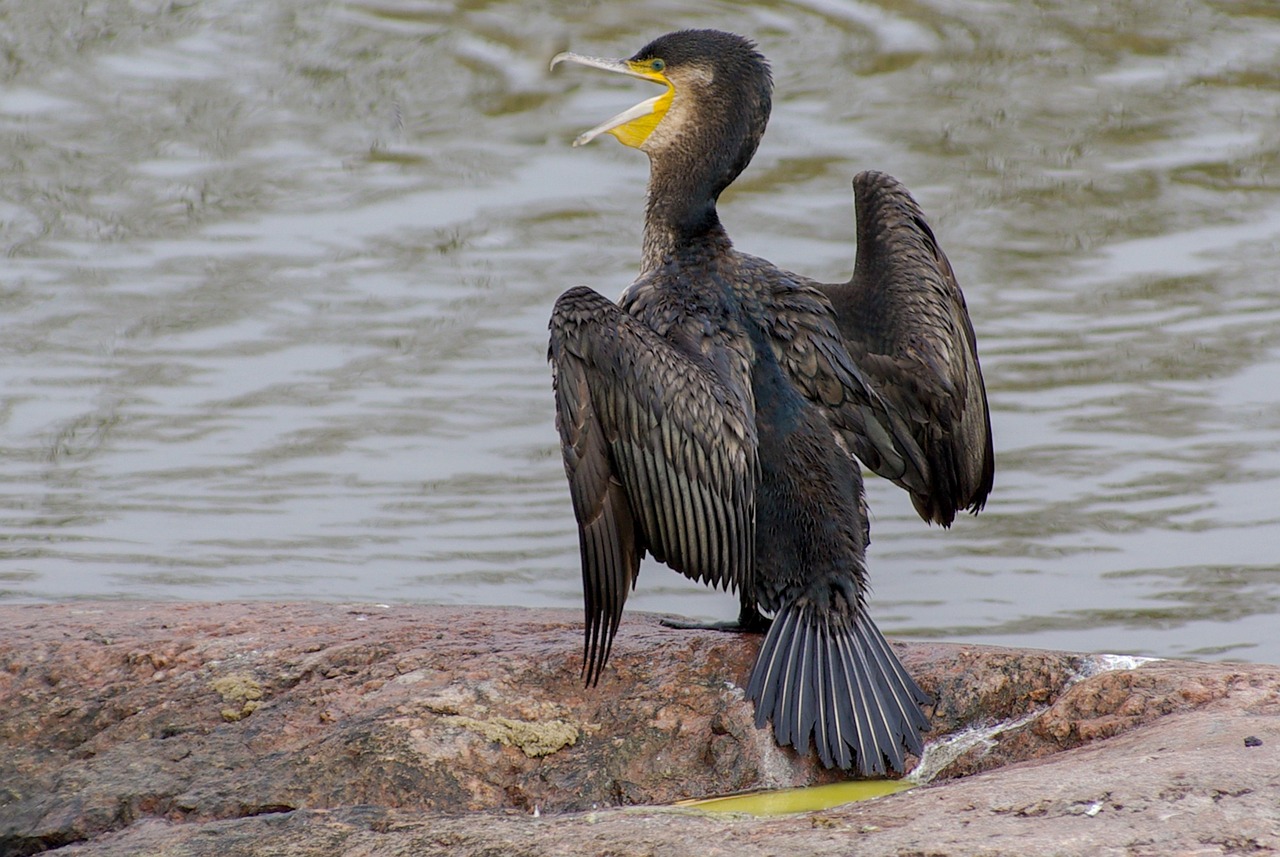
(633, 125)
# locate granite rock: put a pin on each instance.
(309, 728)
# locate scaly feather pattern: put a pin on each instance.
(660, 455)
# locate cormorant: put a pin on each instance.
(711, 415)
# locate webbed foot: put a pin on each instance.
(749, 621)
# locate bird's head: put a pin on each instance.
(715, 106)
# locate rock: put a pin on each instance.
(310, 729)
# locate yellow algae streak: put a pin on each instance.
(808, 799)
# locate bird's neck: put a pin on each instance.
(680, 214)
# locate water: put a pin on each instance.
(276, 280)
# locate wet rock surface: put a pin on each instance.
(309, 729)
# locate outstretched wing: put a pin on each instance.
(906, 326)
(808, 345)
(660, 456)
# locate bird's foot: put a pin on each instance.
(684, 625)
(749, 621)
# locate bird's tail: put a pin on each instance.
(836, 678)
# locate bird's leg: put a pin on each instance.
(750, 621)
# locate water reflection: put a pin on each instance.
(277, 279)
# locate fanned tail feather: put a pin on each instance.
(837, 681)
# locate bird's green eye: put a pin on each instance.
(657, 65)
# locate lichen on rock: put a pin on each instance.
(535, 739)
(238, 689)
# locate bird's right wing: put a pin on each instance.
(905, 323)
(660, 455)
(808, 345)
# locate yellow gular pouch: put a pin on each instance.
(634, 132)
(635, 125)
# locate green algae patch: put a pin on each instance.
(808, 799)
(243, 694)
(535, 739)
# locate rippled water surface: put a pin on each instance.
(276, 279)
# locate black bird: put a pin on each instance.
(710, 417)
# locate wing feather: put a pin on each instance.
(811, 350)
(660, 454)
(904, 321)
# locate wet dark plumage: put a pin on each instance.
(710, 416)
(906, 325)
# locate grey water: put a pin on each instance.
(276, 276)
